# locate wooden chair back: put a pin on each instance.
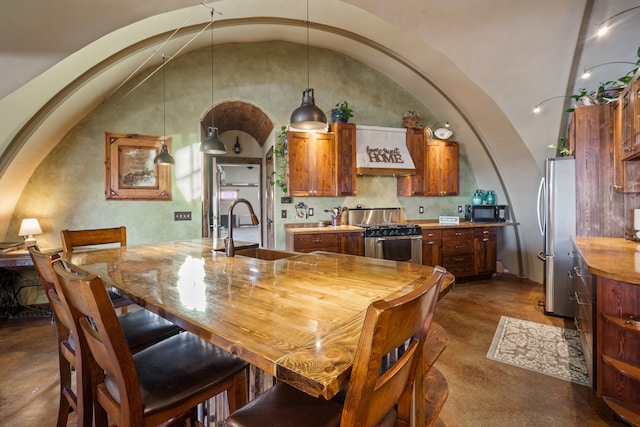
(69, 351)
(111, 361)
(72, 239)
(387, 326)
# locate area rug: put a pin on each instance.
(546, 349)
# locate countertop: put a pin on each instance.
(611, 257)
(428, 223)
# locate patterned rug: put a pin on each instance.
(546, 349)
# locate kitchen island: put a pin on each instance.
(297, 318)
(613, 294)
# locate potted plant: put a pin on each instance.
(411, 119)
(279, 176)
(341, 112)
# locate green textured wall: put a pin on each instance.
(67, 189)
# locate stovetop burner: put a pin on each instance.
(395, 229)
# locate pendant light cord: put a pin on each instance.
(212, 68)
(164, 104)
(308, 56)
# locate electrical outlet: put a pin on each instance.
(182, 216)
(283, 213)
(421, 209)
(310, 211)
(459, 209)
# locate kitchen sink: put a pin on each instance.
(265, 254)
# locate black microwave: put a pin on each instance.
(486, 213)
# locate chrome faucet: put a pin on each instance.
(229, 248)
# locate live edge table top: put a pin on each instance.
(297, 318)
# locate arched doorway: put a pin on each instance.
(233, 116)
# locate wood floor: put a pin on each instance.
(482, 392)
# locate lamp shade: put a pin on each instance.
(212, 144)
(308, 116)
(164, 158)
(29, 227)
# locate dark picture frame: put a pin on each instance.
(129, 169)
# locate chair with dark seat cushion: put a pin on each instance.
(141, 328)
(92, 238)
(163, 381)
(372, 398)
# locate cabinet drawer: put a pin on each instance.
(316, 242)
(485, 232)
(457, 242)
(431, 237)
(459, 265)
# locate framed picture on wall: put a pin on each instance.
(129, 169)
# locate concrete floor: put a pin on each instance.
(482, 392)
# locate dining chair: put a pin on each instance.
(157, 384)
(141, 328)
(92, 238)
(374, 396)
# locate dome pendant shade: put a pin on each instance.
(213, 145)
(308, 116)
(164, 158)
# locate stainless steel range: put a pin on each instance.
(385, 236)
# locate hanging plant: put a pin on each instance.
(279, 176)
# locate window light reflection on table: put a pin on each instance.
(191, 283)
(29, 227)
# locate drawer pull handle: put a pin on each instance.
(431, 243)
(316, 240)
(485, 239)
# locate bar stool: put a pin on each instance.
(141, 329)
(155, 385)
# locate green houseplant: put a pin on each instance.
(279, 176)
(411, 119)
(341, 112)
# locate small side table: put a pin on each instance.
(10, 263)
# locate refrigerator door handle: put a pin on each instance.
(540, 207)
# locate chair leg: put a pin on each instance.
(64, 406)
(237, 394)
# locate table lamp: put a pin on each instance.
(29, 227)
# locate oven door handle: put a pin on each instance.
(380, 239)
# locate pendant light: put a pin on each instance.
(308, 116)
(164, 158)
(212, 144)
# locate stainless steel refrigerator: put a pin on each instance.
(557, 222)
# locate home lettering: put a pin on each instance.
(384, 155)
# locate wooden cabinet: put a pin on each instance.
(485, 247)
(345, 138)
(437, 167)
(348, 242)
(630, 147)
(618, 341)
(458, 251)
(311, 164)
(352, 243)
(413, 185)
(442, 167)
(584, 303)
(431, 246)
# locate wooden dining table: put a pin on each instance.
(297, 318)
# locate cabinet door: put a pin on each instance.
(352, 243)
(311, 164)
(299, 164)
(323, 164)
(485, 250)
(442, 167)
(629, 146)
(431, 247)
(413, 185)
(345, 136)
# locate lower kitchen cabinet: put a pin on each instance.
(584, 299)
(349, 243)
(458, 251)
(618, 341)
(485, 245)
(431, 246)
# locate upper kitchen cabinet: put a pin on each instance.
(442, 167)
(312, 164)
(345, 138)
(437, 167)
